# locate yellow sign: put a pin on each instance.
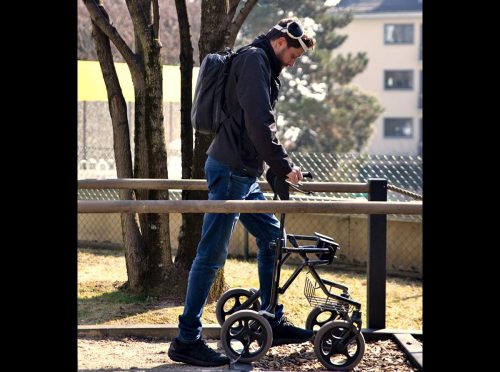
(91, 85)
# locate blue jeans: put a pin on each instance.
(225, 183)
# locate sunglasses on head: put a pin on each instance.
(293, 30)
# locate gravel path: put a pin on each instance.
(134, 354)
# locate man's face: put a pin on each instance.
(287, 55)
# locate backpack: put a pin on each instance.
(207, 111)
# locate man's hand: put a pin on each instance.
(295, 175)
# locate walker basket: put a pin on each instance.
(316, 297)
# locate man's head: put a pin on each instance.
(289, 41)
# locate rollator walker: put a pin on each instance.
(246, 334)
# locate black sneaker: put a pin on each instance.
(286, 333)
(197, 353)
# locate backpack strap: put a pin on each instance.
(238, 51)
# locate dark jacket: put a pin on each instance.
(247, 137)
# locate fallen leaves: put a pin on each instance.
(383, 355)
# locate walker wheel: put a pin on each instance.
(339, 346)
(246, 336)
(320, 316)
(231, 301)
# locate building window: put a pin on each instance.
(420, 94)
(398, 79)
(398, 34)
(421, 139)
(398, 127)
(420, 45)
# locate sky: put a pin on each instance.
(331, 2)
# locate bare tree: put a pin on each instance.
(148, 251)
(185, 257)
(220, 24)
(169, 29)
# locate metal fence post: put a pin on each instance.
(377, 257)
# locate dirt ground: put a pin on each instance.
(134, 354)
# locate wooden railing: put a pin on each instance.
(377, 207)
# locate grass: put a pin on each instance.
(101, 272)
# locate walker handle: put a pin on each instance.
(307, 174)
(297, 187)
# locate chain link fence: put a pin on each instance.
(404, 232)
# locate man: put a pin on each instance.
(246, 139)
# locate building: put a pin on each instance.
(390, 32)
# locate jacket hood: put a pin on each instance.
(263, 42)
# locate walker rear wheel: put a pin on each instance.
(231, 301)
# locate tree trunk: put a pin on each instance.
(160, 253)
(134, 248)
(155, 227)
(141, 169)
(186, 237)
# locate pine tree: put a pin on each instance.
(317, 109)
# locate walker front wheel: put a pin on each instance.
(246, 336)
(339, 346)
